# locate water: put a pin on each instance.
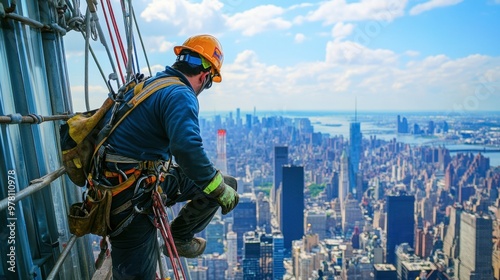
(379, 124)
(386, 131)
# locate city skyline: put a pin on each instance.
(390, 55)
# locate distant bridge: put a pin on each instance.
(475, 150)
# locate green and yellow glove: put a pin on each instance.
(226, 195)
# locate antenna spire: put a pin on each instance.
(356, 109)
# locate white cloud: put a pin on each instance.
(341, 30)
(412, 53)
(351, 53)
(188, 17)
(158, 44)
(432, 4)
(258, 19)
(378, 77)
(333, 11)
(299, 38)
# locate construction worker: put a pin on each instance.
(163, 127)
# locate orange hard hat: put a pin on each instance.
(208, 47)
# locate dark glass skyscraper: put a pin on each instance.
(263, 256)
(245, 218)
(280, 159)
(400, 223)
(355, 141)
(214, 233)
(292, 205)
(278, 267)
(251, 257)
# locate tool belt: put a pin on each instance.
(93, 214)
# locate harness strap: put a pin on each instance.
(122, 207)
(125, 223)
(120, 187)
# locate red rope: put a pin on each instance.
(161, 222)
(112, 42)
(117, 32)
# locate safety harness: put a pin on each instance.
(109, 177)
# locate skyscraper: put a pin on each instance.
(280, 159)
(343, 178)
(399, 223)
(332, 189)
(245, 218)
(451, 239)
(214, 234)
(238, 118)
(263, 256)
(251, 256)
(263, 213)
(476, 251)
(355, 146)
(232, 253)
(292, 205)
(221, 161)
(278, 266)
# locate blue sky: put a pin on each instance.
(389, 55)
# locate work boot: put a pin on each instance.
(191, 249)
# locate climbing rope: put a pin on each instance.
(161, 222)
(142, 42)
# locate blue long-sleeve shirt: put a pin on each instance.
(165, 124)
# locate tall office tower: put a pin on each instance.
(355, 147)
(351, 214)
(278, 255)
(217, 121)
(451, 245)
(239, 122)
(449, 177)
(216, 264)
(475, 261)
(232, 253)
(315, 222)
(416, 129)
(399, 223)
(245, 218)
(446, 127)
(248, 118)
(402, 125)
(292, 205)
(251, 256)
(355, 238)
(343, 178)
(221, 162)
(430, 127)
(263, 255)
(332, 190)
(266, 256)
(263, 213)
(214, 234)
(280, 159)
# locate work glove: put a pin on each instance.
(225, 194)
